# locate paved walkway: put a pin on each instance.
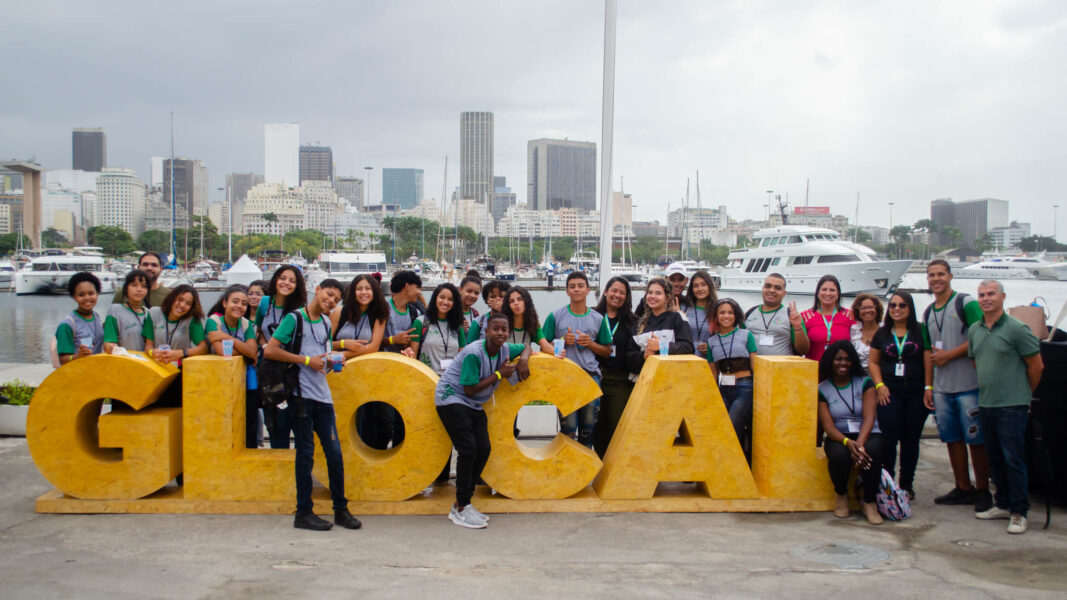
(29, 373)
(941, 552)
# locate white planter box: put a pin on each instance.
(538, 420)
(13, 419)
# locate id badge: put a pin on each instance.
(939, 345)
(899, 372)
(766, 340)
(725, 379)
(613, 351)
(445, 363)
(854, 426)
(283, 406)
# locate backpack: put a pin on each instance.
(53, 346)
(279, 382)
(958, 302)
(892, 501)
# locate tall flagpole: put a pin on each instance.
(606, 133)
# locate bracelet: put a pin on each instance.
(307, 361)
(497, 373)
(390, 340)
(929, 387)
(185, 353)
(845, 441)
(151, 353)
(342, 344)
(880, 385)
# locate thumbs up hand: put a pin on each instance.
(568, 339)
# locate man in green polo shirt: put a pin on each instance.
(1007, 356)
(152, 264)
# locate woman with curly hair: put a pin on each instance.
(525, 326)
(616, 380)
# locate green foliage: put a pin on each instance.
(17, 393)
(9, 242)
(1037, 243)
(861, 236)
(154, 240)
(52, 238)
(115, 241)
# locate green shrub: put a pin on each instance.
(17, 393)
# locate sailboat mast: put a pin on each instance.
(700, 219)
(173, 241)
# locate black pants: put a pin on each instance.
(469, 431)
(616, 388)
(379, 424)
(251, 418)
(279, 425)
(901, 422)
(839, 462)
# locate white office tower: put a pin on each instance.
(282, 154)
(157, 171)
(120, 200)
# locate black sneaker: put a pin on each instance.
(956, 496)
(345, 519)
(311, 521)
(983, 500)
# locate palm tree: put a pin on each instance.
(929, 227)
(953, 235)
(273, 218)
(900, 234)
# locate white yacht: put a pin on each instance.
(50, 272)
(804, 254)
(1008, 267)
(7, 273)
(584, 260)
(343, 266)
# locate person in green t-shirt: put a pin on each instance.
(81, 333)
(1007, 356)
(124, 323)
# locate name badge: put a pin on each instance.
(613, 351)
(854, 425)
(899, 372)
(766, 339)
(445, 363)
(725, 379)
(939, 345)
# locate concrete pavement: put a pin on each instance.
(942, 551)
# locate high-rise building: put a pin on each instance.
(9, 180)
(562, 174)
(316, 163)
(237, 186)
(503, 199)
(89, 149)
(281, 155)
(312, 206)
(476, 155)
(402, 187)
(156, 171)
(974, 218)
(351, 189)
(120, 200)
(190, 185)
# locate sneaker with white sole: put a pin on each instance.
(1017, 524)
(466, 518)
(994, 513)
(480, 514)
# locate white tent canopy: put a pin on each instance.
(244, 271)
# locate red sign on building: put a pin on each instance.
(811, 210)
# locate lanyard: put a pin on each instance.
(444, 338)
(726, 354)
(767, 324)
(499, 354)
(696, 316)
(359, 324)
(900, 345)
(944, 312)
(325, 337)
(829, 323)
(523, 338)
(617, 321)
(233, 332)
(140, 319)
(852, 390)
(166, 329)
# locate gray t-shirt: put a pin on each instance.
(774, 324)
(127, 325)
(315, 342)
(360, 330)
(439, 345)
(398, 322)
(179, 336)
(590, 323)
(698, 324)
(846, 404)
(947, 327)
(471, 365)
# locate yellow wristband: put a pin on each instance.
(390, 340)
(497, 373)
(845, 441)
(929, 387)
(342, 344)
(307, 361)
(150, 352)
(880, 384)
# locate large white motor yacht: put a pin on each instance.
(50, 272)
(802, 255)
(1009, 267)
(343, 266)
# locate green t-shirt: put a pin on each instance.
(471, 373)
(999, 354)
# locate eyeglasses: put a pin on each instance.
(897, 305)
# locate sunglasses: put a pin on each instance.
(897, 305)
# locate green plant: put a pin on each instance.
(17, 393)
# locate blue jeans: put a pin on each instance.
(582, 421)
(279, 425)
(738, 400)
(901, 422)
(957, 417)
(320, 421)
(1005, 445)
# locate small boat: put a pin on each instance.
(7, 273)
(344, 266)
(50, 272)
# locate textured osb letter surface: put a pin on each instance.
(675, 428)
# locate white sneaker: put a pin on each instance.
(994, 513)
(480, 514)
(1017, 524)
(466, 518)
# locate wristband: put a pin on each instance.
(307, 361)
(390, 340)
(342, 344)
(880, 385)
(498, 377)
(929, 387)
(845, 441)
(151, 353)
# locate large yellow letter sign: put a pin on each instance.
(557, 470)
(397, 473)
(675, 393)
(120, 455)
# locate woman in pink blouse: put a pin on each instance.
(827, 321)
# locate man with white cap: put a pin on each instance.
(675, 273)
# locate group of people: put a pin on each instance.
(878, 378)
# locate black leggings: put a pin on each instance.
(901, 422)
(839, 461)
(469, 431)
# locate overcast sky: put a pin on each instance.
(898, 101)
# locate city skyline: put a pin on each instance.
(875, 100)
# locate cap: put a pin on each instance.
(675, 269)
